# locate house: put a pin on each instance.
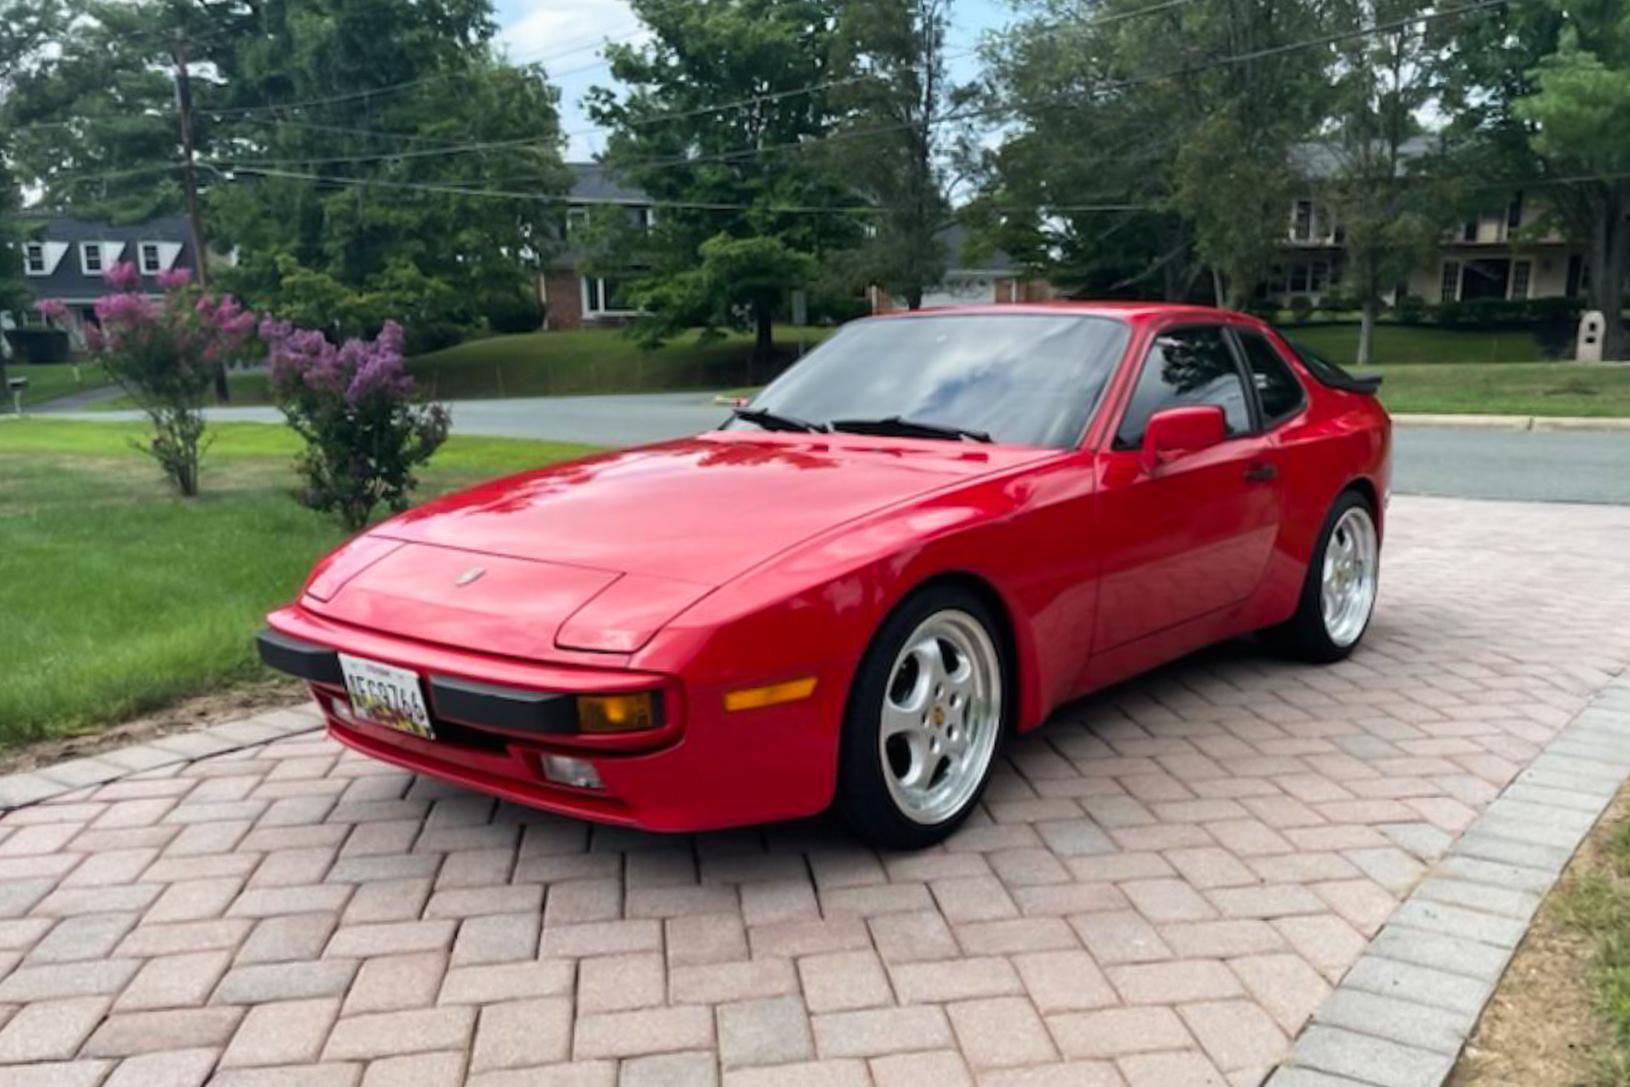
(1488, 256)
(572, 298)
(988, 276)
(65, 259)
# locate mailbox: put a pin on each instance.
(16, 385)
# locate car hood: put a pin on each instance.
(599, 554)
(701, 509)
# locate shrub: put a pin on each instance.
(164, 353)
(353, 406)
(1301, 307)
(1410, 309)
(513, 311)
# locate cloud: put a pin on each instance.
(568, 38)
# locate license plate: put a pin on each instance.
(386, 695)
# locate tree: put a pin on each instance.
(1179, 118)
(1392, 212)
(362, 140)
(1081, 187)
(719, 110)
(893, 99)
(384, 185)
(1534, 93)
(1581, 101)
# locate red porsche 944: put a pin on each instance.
(923, 537)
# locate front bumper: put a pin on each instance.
(496, 719)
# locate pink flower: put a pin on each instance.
(53, 309)
(173, 279)
(123, 276)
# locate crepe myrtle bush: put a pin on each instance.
(353, 404)
(163, 351)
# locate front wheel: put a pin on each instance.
(925, 717)
(1338, 594)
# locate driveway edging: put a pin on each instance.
(1404, 1010)
(49, 782)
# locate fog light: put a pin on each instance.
(616, 712)
(565, 770)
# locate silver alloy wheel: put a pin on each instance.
(1350, 567)
(941, 715)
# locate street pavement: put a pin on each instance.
(1161, 888)
(1462, 462)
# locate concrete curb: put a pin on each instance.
(1403, 1012)
(1512, 422)
(49, 782)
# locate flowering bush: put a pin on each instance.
(353, 405)
(164, 353)
(52, 309)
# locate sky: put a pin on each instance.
(567, 35)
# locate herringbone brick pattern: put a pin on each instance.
(1161, 887)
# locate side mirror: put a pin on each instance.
(1176, 431)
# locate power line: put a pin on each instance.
(228, 173)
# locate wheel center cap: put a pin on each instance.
(938, 716)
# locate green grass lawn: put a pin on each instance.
(1410, 344)
(48, 381)
(1538, 388)
(120, 598)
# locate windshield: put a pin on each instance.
(1023, 379)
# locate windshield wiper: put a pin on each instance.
(896, 427)
(770, 420)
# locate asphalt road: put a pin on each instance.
(1544, 466)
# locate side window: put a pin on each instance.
(1276, 387)
(1185, 368)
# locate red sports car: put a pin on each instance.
(928, 534)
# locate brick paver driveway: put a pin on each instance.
(1161, 888)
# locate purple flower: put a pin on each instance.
(173, 279)
(52, 309)
(123, 276)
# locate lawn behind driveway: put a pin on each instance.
(120, 598)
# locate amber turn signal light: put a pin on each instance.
(752, 698)
(602, 713)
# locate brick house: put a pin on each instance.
(571, 297)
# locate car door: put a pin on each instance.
(1192, 535)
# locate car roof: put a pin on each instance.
(1136, 311)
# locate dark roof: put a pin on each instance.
(961, 254)
(592, 181)
(69, 281)
(1322, 160)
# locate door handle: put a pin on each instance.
(1261, 472)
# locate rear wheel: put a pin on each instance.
(925, 717)
(1338, 595)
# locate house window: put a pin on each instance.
(34, 259)
(1521, 272)
(576, 220)
(1468, 232)
(1298, 278)
(1302, 226)
(90, 257)
(1513, 213)
(150, 263)
(643, 218)
(603, 297)
(1449, 289)
(1318, 276)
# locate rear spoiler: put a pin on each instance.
(1368, 384)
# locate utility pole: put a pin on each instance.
(189, 168)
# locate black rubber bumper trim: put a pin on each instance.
(511, 709)
(301, 659)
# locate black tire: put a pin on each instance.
(864, 798)
(1304, 636)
